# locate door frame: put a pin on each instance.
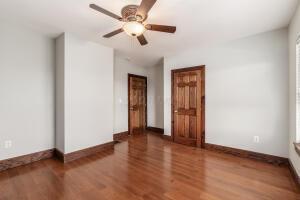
(200, 67)
(128, 108)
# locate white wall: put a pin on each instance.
(26, 91)
(294, 33)
(60, 93)
(246, 91)
(154, 80)
(88, 94)
(156, 96)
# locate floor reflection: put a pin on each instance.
(148, 167)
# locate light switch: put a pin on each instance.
(7, 144)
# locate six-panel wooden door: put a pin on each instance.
(188, 108)
(137, 104)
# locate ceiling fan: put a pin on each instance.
(134, 17)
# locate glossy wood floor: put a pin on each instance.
(147, 167)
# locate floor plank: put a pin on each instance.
(148, 167)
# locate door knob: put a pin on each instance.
(176, 111)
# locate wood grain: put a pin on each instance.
(137, 104)
(120, 136)
(146, 167)
(142, 40)
(113, 33)
(168, 138)
(202, 108)
(59, 155)
(84, 152)
(155, 129)
(161, 28)
(276, 160)
(26, 159)
(188, 106)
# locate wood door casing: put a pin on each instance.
(188, 106)
(137, 104)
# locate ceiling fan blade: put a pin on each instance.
(106, 12)
(161, 28)
(142, 40)
(145, 6)
(113, 33)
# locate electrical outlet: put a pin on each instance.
(7, 144)
(256, 139)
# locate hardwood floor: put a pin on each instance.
(148, 167)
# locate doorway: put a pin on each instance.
(188, 106)
(137, 104)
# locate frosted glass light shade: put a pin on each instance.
(134, 28)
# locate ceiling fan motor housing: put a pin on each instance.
(129, 14)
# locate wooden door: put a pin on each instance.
(137, 91)
(188, 106)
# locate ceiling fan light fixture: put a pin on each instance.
(134, 28)
(133, 17)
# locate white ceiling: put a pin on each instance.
(199, 22)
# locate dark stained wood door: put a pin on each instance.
(137, 103)
(188, 106)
